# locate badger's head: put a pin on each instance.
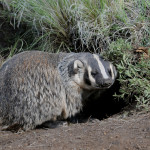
(90, 71)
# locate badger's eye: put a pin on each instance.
(93, 74)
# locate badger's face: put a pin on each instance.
(92, 72)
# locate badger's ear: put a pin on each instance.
(74, 67)
(78, 64)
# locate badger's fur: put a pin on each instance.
(36, 87)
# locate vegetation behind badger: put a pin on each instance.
(36, 87)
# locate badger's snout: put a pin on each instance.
(104, 83)
(106, 74)
(107, 83)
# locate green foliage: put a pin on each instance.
(134, 75)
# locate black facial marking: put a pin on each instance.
(110, 73)
(71, 71)
(86, 78)
(94, 73)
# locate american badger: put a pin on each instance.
(36, 87)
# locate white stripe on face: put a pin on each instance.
(112, 72)
(92, 80)
(102, 68)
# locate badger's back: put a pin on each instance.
(29, 87)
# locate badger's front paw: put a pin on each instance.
(54, 124)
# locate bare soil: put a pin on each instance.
(118, 132)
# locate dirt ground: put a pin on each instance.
(115, 133)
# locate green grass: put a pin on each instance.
(113, 27)
(82, 25)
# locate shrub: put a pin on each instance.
(134, 74)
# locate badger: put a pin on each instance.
(36, 87)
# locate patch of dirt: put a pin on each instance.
(118, 132)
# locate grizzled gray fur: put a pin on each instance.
(36, 87)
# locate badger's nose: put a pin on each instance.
(107, 83)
